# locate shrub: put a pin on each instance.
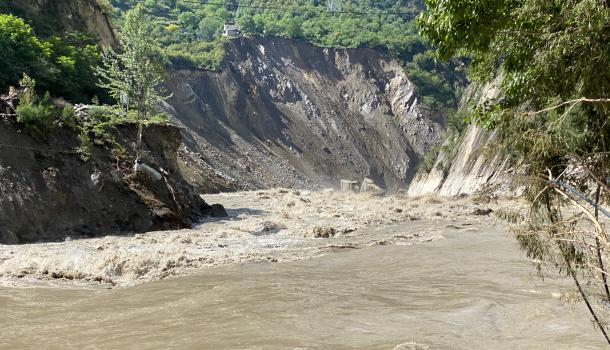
(161, 118)
(429, 160)
(36, 116)
(100, 114)
(68, 117)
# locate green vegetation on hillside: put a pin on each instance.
(553, 113)
(69, 67)
(62, 65)
(190, 31)
(190, 34)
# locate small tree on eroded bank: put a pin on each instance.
(132, 76)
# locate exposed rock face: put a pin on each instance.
(474, 165)
(474, 162)
(50, 17)
(287, 113)
(48, 192)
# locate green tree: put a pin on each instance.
(231, 5)
(189, 21)
(210, 27)
(292, 26)
(136, 72)
(20, 50)
(60, 65)
(247, 24)
(551, 58)
(72, 75)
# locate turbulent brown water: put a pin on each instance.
(471, 290)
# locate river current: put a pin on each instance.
(470, 290)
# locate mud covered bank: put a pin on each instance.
(276, 225)
(47, 191)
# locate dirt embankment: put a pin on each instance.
(48, 192)
(285, 113)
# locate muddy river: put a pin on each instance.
(467, 290)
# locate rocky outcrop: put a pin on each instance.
(287, 113)
(475, 164)
(470, 161)
(48, 192)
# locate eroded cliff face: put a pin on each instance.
(476, 163)
(47, 192)
(287, 113)
(471, 161)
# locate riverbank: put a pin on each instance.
(276, 225)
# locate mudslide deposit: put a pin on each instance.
(285, 113)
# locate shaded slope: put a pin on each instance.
(48, 192)
(54, 17)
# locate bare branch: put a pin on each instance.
(571, 102)
(601, 234)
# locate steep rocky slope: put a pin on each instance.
(287, 113)
(48, 192)
(470, 161)
(475, 163)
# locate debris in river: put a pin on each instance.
(323, 232)
(482, 212)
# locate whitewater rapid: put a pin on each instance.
(275, 225)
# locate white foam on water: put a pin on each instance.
(271, 225)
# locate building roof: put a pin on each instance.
(231, 26)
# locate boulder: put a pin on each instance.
(218, 211)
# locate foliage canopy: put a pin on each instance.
(547, 53)
(62, 65)
(550, 61)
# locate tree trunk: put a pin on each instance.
(139, 140)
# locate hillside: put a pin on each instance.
(287, 113)
(51, 18)
(57, 43)
(49, 192)
(191, 32)
(67, 170)
(468, 158)
(280, 112)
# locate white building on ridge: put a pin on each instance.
(231, 30)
